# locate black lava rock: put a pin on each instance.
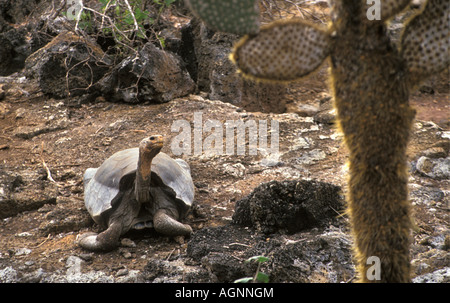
(289, 206)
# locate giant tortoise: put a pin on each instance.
(137, 188)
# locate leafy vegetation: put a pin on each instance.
(259, 276)
(129, 23)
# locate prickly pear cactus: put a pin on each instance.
(285, 46)
(283, 51)
(425, 41)
(371, 79)
(232, 16)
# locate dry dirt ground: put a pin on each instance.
(40, 133)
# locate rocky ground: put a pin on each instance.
(47, 142)
(46, 146)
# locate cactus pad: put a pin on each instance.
(426, 39)
(282, 51)
(231, 16)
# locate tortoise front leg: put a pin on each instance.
(104, 241)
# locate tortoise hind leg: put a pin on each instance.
(104, 241)
(165, 223)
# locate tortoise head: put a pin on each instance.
(150, 146)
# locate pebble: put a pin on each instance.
(311, 157)
(132, 276)
(33, 277)
(20, 113)
(22, 251)
(86, 257)
(24, 234)
(126, 254)
(300, 143)
(325, 117)
(272, 160)
(73, 265)
(435, 152)
(125, 242)
(445, 134)
(122, 272)
(235, 170)
(29, 263)
(434, 168)
(303, 266)
(438, 276)
(303, 110)
(179, 239)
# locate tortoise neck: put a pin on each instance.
(143, 176)
(144, 166)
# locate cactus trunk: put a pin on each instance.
(371, 98)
